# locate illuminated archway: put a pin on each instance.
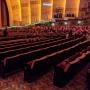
(26, 11)
(14, 8)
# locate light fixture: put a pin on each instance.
(65, 23)
(47, 4)
(79, 22)
(53, 24)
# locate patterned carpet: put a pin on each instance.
(16, 82)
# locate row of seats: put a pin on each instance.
(65, 71)
(16, 41)
(30, 31)
(37, 67)
(30, 47)
(49, 50)
(42, 61)
(39, 57)
(22, 43)
(40, 32)
(4, 39)
(23, 50)
(8, 40)
(11, 41)
(16, 59)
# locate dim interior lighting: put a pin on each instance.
(65, 23)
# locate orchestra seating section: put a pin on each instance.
(17, 58)
(39, 49)
(36, 67)
(42, 31)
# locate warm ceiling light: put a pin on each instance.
(79, 22)
(65, 23)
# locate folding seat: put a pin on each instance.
(50, 61)
(17, 61)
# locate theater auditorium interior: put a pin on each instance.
(44, 44)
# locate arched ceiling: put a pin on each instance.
(27, 11)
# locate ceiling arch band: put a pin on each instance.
(23, 12)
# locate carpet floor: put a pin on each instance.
(16, 82)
